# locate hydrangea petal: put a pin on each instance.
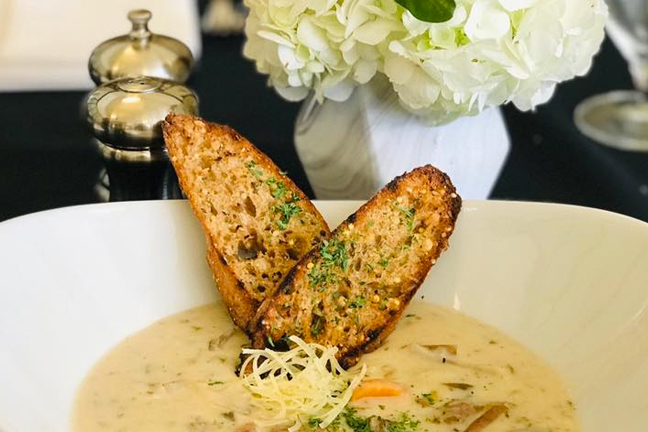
(487, 21)
(373, 32)
(311, 36)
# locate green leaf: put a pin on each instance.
(434, 11)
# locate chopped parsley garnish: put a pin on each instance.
(403, 423)
(277, 188)
(409, 216)
(314, 423)
(318, 325)
(384, 262)
(287, 211)
(319, 276)
(358, 302)
(252, 167)
(428, 397)
(334, 255)
(355, 422)
(271, 342)
(213, 383)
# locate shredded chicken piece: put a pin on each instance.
(458, 411)
(220, 340)
(460, 386)
(452, 349)
(492, 414)
(447, 354)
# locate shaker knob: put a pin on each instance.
(140, 31)
(140, 53)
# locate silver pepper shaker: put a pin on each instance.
(140, 53)
(125, 116)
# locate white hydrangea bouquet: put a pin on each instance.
(446, 61)
(444, 58)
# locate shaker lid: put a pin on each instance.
(127, 113)
(140, 53)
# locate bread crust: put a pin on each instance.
(296, 305)
(189, 140)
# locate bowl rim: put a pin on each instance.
(468, 205)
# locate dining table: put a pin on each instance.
(47, 159)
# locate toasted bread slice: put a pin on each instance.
(351, 290)
(257, 223)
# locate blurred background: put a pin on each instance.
(47, 161)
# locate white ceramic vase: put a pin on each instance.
(351, 149)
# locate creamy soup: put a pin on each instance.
(451, 374)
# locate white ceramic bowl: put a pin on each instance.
(570, 283)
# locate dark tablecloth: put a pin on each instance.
(46, 160)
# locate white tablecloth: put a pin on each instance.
(45, 44)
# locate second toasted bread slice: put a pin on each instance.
(257, 223)
(350, 291)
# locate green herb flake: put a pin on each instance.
(358, 302)
(403, 423)
(355, 422)
(319, 276)
(409, 216)
(271, 342)
(428, 397)
(314, 423)
(286, 211)
(318, 326)
(384, 262)
(252, 167)
(213, 383)
(277, 188)
(333, 256)
(334, 253)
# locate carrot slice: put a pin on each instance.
(377, 388)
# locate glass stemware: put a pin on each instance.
(620, 118)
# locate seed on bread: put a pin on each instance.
(257, 223)
(351, 289)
